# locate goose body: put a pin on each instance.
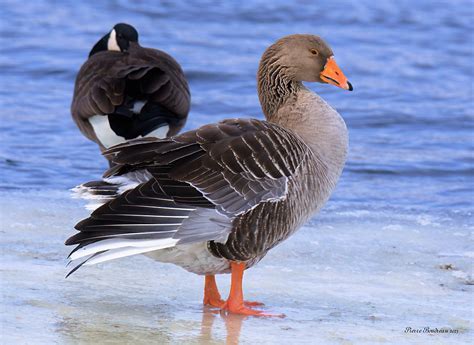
(218, 198)
(126, 91)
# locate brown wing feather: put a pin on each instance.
(236, 164)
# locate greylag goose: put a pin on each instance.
(216, 199)
(125, 91)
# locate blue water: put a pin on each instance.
(370, 265)
(410, 116)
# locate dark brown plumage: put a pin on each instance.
(139, 89)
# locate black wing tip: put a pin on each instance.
(72, 252)
(114, 170)
(75, 268)
(73, 240)
(82, 263)
(81, 225)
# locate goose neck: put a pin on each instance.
(275, 86)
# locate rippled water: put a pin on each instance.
(410, 117)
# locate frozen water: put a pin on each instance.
(339, 280)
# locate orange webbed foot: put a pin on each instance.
(235, 303)
(253, 304)
(242, 309)
(220, 303)
(214, 302)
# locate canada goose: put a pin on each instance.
(125, 91)
(216, 199)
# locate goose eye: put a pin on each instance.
(314, 51)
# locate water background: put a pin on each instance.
(410, 119)
(410, 116)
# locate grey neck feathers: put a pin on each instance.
(290, 104)
(275, 86)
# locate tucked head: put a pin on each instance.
(307, 58)
(118, 39)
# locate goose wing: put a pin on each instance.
(201, 181)
(235, 164)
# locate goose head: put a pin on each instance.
(309, 58)
(118, 39)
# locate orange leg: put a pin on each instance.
(212, 296)
(235, 303)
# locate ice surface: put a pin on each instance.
(343, 279)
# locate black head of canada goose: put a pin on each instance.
(126, 91)
(216, 199)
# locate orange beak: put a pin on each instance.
(332, 74)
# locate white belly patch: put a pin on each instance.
(194, 258)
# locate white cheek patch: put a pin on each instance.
(112, 42)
